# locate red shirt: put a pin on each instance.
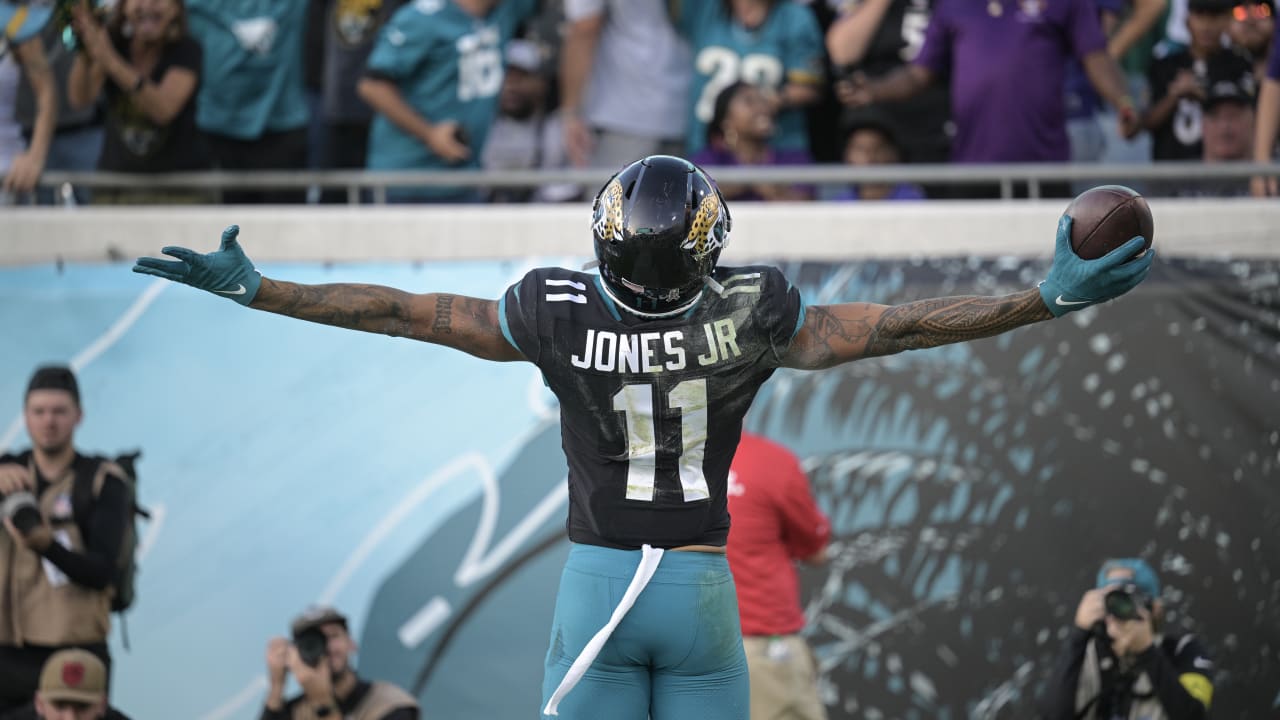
(775, 522)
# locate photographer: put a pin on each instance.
(320, 659)
(1118, 664)
(57, 565)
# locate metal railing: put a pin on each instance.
(374, 184)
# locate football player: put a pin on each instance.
(655, 360)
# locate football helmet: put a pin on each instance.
(659, 226)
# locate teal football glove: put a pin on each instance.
(227, 272)
(1074, 283)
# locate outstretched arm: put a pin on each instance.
(457, 321)
(464, 323)
(834, 334)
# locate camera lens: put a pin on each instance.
(1123, 603)
(22, 511)
(312, 645)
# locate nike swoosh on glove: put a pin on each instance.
(227, 272)
(1074, 283)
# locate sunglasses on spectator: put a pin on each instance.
(1251, 11)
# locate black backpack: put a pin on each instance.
(82, 504)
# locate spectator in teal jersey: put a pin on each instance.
(252, 106)
(433, 80)
(773, 44)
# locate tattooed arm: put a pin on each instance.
(835, 334)
(464, 323)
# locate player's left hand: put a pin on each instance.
(1074, 283)
(227, 272)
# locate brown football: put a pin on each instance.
(1106, 217)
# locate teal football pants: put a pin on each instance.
(676, 655)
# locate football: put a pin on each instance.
(1106, 217)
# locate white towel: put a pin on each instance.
(649, 558)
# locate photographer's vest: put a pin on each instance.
(1140, 691)
(376, 704)
(38, 604)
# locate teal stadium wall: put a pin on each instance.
(973, 488)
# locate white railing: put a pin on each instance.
(1006, 176)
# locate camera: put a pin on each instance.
(22, 510)
(312, 645)
(1124, 602)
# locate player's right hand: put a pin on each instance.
(1074, 283)
(227, 271)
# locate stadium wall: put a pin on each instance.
(973, 488)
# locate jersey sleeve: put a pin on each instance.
(785, 313)
(1195, 669)
(806, 529)
(575, 10)
(935, 52)
(403, 44)
(691, 16)
(804, 47)
(1084, 29)
(187, 54)
(518, 316)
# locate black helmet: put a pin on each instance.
(659, 226)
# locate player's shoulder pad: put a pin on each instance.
(765, 278)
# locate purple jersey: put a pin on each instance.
(714, 157)
(1007, 60)
(1273, 64)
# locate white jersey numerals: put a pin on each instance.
(479, 65)
(636, 403)
(725, 67)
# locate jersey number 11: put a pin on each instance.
(636, 403)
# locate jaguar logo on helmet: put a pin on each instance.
(706, 233)
(608, 212)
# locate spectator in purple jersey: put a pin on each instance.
(1267, 121)
(1007, 61)
(871, 140)
(741, 132)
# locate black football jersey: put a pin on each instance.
(651, 409)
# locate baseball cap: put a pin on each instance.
(315, 616)
(55, 377)
(1211, 6)
(525, 55)
(21, 21)
(73, 676)
(1229, 78)
(1143, 576)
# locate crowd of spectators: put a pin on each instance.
(148, 86)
